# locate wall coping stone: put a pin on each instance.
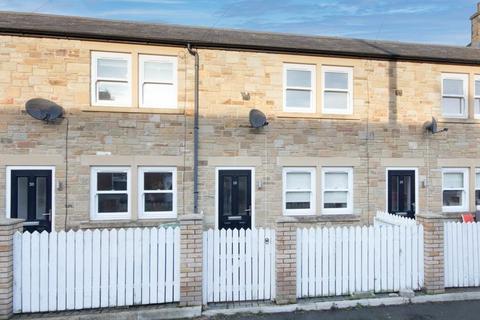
(193, 216)
(319, 218)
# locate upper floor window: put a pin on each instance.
(158, 81)
(337, 190)
(337, 90)
(110, 193)
(455, 189)
(299, 191)
(454, 95)
(477, 96)
(299, 88)
(111, 79)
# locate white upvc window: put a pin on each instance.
(157, 192)
(299, 88)
(337, 190)
(111, 83)
(455, 95)
(455, 189)
(477, 96)
(337, 91)
(158, 81)
(477, 188)
(110, 193)
(299, 191)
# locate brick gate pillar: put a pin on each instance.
(191, 238)
(286, 261)
(433, 234)
(8, 227)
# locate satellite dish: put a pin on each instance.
(432, 126)
(43, 109)
(257, 119)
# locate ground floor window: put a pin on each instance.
(299, 191)
(337, 190)
(454, 189)
(110, 193)
(157, 192)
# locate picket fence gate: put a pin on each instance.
(346, 260)
(385, 218)
(238, 265)
(462, 254)
(95, 269)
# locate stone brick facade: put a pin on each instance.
(191, 238)
(433, 228)
(286, 261)
(392, 101)
(8, 227)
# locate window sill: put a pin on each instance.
(321, 218)
(97, 224)
(289, 115)
(133, 110)
(459, 120)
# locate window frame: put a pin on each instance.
(94, 214)
(476, 96)
(477, 170)
(141, 192)
(466, 187)
(299, 212)
(142, 58)
(95, 56)
(349, 90)
(300, 67)
(465, 79)
(349, 208)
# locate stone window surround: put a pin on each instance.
(319, 163)
(477, 183)
(466, 188)
(337, 69)
(135, 51)
(476, 96)
(134, 162)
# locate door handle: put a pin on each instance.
(248, 210)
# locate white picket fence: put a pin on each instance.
(345, 260)
(385, 218)
(462, 254)
(238, 265)
(95, 269)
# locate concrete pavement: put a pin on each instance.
(461, 310)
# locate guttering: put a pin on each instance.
(195, 130)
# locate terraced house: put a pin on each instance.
(345, 134)
(157, 126)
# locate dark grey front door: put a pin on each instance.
(31, 198)
(235, 199)
(401, 192)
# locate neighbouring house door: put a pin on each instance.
(31, 198)
(235, 199)
(401, 192)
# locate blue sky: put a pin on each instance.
(434, 21)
